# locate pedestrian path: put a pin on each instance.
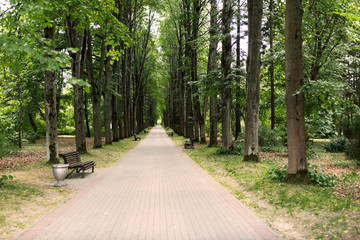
(154, 192)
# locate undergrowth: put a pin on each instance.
(318, 204)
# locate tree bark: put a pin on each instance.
(107, 99)
(32, 122)
(115, 102)
(225, 79)
(88, 134)
(50, 106)
(95, 89)
(251, 150)
(238, 65)
(295, 100)
(75, 40)
(211, 72)
(272, 85)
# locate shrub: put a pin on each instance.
(277, 173)
(7, 147)
(336, 144)
(316, 177)
(352, 133)
(234, 149)
(267, 137)
(5, 178)
(321, 179)
(32, 136)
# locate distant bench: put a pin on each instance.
(136, 138)
(189, 144)
(73, 159)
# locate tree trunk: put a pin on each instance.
(88, 134)
(295, 101)
(238, 65)
(202, 124)
(32, 122)
(251, 150)
(272, 85)
(225, 71)
(95, 89)
(115, 102)
(107, 99)
(181, 87)
(75, 40)
(187, 65)
(50, 106)
(211, 72)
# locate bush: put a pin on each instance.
(321, 179)
(316, 177)
(5, 178)
(32, 136)
(352, 133)
(267, 137)
(273, 149)
(336, 144)
(234, 149)
(7, 147)
(352, 150)
(277, 174)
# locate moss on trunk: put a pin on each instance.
(252, 158)
(301, 177)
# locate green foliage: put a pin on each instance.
(32, 136)
(267, 137)
(7, 147)
(234, 150)
(310, 149)
(352, 150)
(273, 149)
(4, 178)
(336, 144)
(277, 173)
(352, 132)
(322, 179)
(316, 176)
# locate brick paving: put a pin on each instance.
(154, 192)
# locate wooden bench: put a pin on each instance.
(136, 138)
(73, 159)
(189, 144)
(171, 134)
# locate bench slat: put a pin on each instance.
(73, 159)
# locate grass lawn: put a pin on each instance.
(295, 211)
(29, 195)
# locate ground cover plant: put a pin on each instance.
(327, 209)
(29, 195)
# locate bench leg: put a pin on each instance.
(92, 169)
(83, 174)
(70, 173)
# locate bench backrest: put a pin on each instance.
(71, 157)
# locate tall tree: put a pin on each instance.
(75, 40)
(212, 73)
(226, 55)
(95, 88)
(50, 103)
(272, 84)
(107, 98)
(251, 150)
(295, 100)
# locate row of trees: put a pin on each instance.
(320, 68)
(74, 51)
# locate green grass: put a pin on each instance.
(337, 216)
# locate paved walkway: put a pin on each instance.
(154, 192)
